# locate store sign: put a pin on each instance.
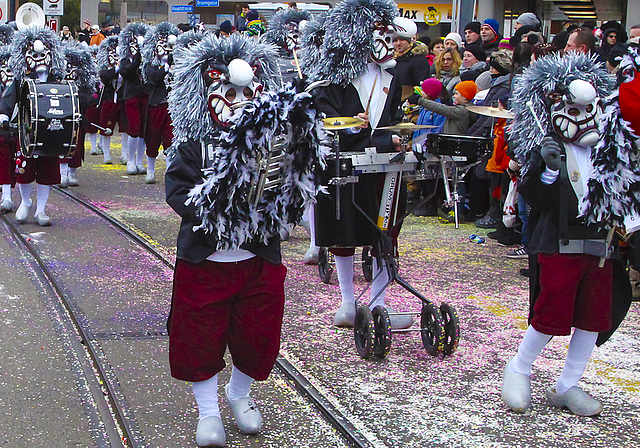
(431, 14)
(53, 7)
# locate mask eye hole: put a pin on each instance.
(574, 112)
(248, 93)
(214, 75)
(554, 97)
(589, 108)
(230, 95)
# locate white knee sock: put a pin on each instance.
(64, 169)
(105, 144)
(140, 152)
(42, 193)
(93, 139)
(206, 393)
(6, 192)
(25, 193)
(580, 348)
(344, 268)
(151, 164)
(72, 171)
(132, 145)
(311, 212)
(379, 285)
(124, 141)
(239, 385)
(529, 349)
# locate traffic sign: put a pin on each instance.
(207, 3)
(181, 8)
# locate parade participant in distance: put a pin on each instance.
(157, 57)
(356, 55)
(135, 95)
(82, 69)
(8, 136)
(557, 107)
(109, 104)
(284, 31)
(229, 280)
(36, 53)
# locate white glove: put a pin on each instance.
(3, 119)
(166, 67)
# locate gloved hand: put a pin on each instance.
(550, 153)
(4, 120)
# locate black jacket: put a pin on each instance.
(109, 78)
(158, 90)
(184, 172)
(132, 78)
(484, 124)
(11, 94)
(492, 46)
(412, 68)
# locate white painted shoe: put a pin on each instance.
(516, 390)
(131, 169)
(311, 255)
(210, 432)
(22, 213)
(6, 206)
(399, 322)
(124, 159)
(72, 180)
(64, 181)
(345, 315)
(576, 400)
(43, 220)
(247, 414)
(108, 161)
(141, 169)
(150, 178)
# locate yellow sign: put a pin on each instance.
(431, 14)
(53, 90)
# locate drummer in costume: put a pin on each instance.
(284, 30)
(157, 57)
(8, 136)
(229, 281)
(82, 69)
(36, 53)
(108, 103)
(578, 193)
(135, 93)
(357, 57)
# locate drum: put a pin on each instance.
(49, 118)
(459, 145)
(353, 229)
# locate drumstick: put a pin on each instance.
(295, 59)
(107, 131)
(529, 104)
(371, 95)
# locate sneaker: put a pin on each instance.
(487, 222)
(518, 252)
(446, 218)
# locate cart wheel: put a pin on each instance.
(367, 263)
(324, 267)
(363, 332)
(451, 328)
(433, 336)
(382, 332)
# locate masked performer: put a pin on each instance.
(108, 103)
(557, 106)
(36, 54)
(229, 281)
(82, 69)
(157, 56)
(357, 57)
(284, 30)
(135, 94)
(8, 136)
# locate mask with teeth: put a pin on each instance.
(164, 48)
(38, 58)
(293, 37)
(113, 56)
(575, 112)
(6, 75)
(134, 48)
(382, 52)
(228, 88)
(71, 72)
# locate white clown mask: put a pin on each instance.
(229, 87)
(164, 48)
(292, 39)
(71, 72)
(6, 75)
(38, 58)
(575, 113)
(382, 52)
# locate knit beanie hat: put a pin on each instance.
(501, 61)
(87, 22)
(505, 45)
(226, 26)
(454, 37)
(477, 51)
(432, 87)
(467, 89)
(530, 19)
(495, 26)
(473, 26)
(252, 15)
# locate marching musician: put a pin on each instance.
(36, 53)
(109, 104)
(229, 279)
(359, 63)
(157, 57)
(8, 137)
(284, 31)
(135, 94)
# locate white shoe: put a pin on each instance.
(123, 159)
(399, 322)
(107, 161)
(210, 432)
(141, 169)
(345, 315)
(22, 213)
(64, 181)
(6, 206)
(131, 168)
(72, 180)
(576, 400)
(311, 255)
(150, 178)
(43, 220)
(247, 414)
(516, 390)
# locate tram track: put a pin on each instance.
(303, 386)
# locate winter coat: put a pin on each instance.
(500, 87)
(412, 68)
(458, 117)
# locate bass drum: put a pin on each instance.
(49, 118)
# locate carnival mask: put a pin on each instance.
(229, 88)
(292, 40)
(575, 113)
(134, 45)
(6, 75)
(71, 72)
(113, 56)
(164, 48)
(382, 52)
(38, 57)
